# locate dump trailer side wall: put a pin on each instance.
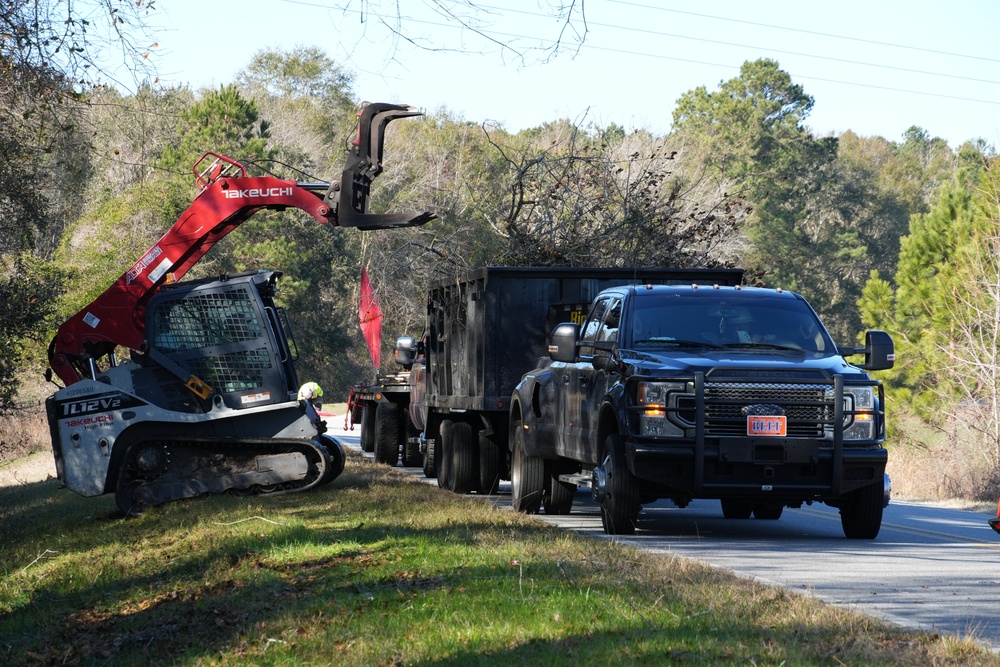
(489, 327)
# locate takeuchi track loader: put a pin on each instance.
(208, 401)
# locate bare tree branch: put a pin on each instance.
(75, 38)
(478, 22)
(608, 200)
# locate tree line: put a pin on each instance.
(894, 234)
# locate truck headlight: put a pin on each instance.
(653, 400)
(859, 413)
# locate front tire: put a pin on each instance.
(527, 475)
(620, 507)
(861, 516)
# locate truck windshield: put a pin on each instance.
(754, 322)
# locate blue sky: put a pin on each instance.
(873, 67)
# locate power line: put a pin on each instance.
(659, 33)
(591, 46)
(797, 76)
(808, 32)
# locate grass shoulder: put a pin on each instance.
(379, 569)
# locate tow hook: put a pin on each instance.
(886, 490)
(598, 484)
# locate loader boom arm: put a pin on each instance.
(228, 198)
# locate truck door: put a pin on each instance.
(585, 386)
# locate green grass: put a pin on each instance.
(379, 569)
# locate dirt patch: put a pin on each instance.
(30, 469)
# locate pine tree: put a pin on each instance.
(920, 313)
(223, 122)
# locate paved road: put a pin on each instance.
(930, 568)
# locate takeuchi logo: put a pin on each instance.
(254, 193)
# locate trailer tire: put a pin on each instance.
(430, 467)
(387, 438)
(411, 445)
(368, 429)
(861, 515)
(463, 469)
(620, 507)
(491, 460)
(442, 454)
(527, 475)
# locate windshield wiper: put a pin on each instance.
(765, 346)
(677, 343)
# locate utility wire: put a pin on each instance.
(659, 33)
(590, 46)
(807, 32)
(797, 76)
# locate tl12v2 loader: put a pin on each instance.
(208, 401)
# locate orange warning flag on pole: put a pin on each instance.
(371, 320)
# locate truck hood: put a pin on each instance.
(658, 363)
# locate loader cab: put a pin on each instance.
(229, 334)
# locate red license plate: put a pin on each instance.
(767, 425)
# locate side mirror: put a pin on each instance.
(879, 351)
(406, 351)
(563, 345)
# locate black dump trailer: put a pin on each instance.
(485, 330)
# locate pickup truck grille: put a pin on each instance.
(809, 407)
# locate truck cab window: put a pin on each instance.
(591, 326)
(612, 320)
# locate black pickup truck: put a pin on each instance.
(484, 330)
(684, 392)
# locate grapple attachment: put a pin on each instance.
(349, 197)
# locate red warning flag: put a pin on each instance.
(371, 320)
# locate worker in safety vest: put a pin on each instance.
(314, 392)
